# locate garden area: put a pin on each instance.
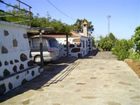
(125, 50)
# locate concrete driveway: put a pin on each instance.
(99, 80)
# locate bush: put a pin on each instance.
(120, 53)
(136, 38)
(106, 43)
(121, 48)
(134, 55)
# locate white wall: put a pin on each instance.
(84, 49)
(16, 65)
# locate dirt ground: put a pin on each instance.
(135, 65)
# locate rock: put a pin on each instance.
(2, 89)
(30, 63)
(10, 85)
(0, 64)
(6, 63)
(6, 73)
(15, 68)
(4, 50)
(21, 67)
(6, 33)
(23, 57)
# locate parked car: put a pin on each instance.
(50, 48)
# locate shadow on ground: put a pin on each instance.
(50, 71)
(91, 54)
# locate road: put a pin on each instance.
(98, 80)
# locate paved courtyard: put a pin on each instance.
(98, 80)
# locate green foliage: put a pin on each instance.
(17, 16)
(134, 55)
(2, 18)
(112, 37)
(106, 43)
(58, 26)
(23, 17)
(121, 48)
(136, 38)
(37, 21)
(78, 26)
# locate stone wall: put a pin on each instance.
(16, 66)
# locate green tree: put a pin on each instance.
(78, 26)
(106, 43)
(121, 48)
(20, 16)
(2, 17)
(112, 37)
(136, 38)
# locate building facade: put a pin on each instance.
(78, 46)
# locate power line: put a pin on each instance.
(59, 10)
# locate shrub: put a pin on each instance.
(136, 38)
(121, 48)
(134, 55)
(107, 43)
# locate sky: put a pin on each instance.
(125, 16)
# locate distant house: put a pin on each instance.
(79, 44)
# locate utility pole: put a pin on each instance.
(108, 19)
(41, 47)
(67, 44)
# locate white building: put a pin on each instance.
(79, 44)
(16, 66)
